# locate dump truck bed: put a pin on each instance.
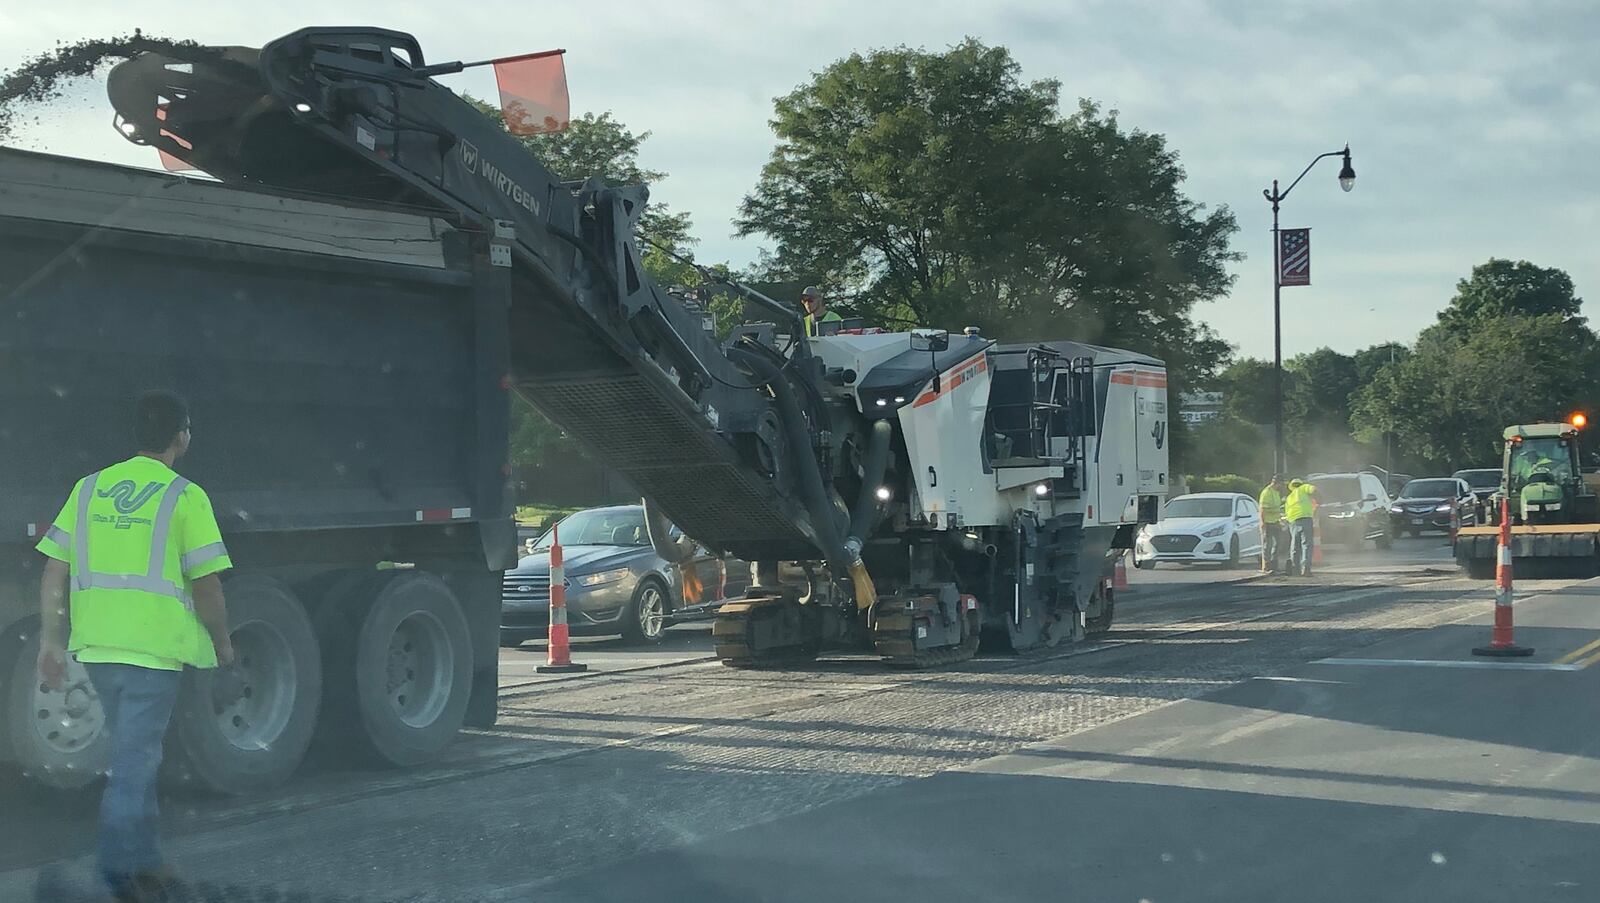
(342, 368)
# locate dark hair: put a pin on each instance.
(158, 418)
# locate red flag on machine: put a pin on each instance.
(1294, 257)
(533, 92)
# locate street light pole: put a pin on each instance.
(1347, 181)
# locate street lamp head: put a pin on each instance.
(1347, 174)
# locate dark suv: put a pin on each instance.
(1352, 507)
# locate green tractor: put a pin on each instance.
(1542, 475)
(1555, 512)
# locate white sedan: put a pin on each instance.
(1220, 527)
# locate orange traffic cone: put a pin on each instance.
(558, 659)
(1119, 572)
(1501, 644)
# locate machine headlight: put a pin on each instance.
(601, 578)
(1218, 530)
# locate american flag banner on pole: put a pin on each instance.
(1294, 257)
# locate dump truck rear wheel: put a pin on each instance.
(246, 728)
(400, 671)
(57, 738)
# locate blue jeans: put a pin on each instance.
(1300, 540)
(138, 703)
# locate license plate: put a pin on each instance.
(1416, 520)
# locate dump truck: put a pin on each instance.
(1553, 505)
(377, 266)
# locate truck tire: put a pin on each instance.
(644, 623)
(246, 728)
(57, 738)
(399, 670)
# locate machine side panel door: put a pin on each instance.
(943, 429)
(1150, 391)
(1116, 454)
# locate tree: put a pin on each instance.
(1449, 401)
(1501, 288)
(1369, 361)
(941, 189)
(1325, 381)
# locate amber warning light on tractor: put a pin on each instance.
(1579, 420)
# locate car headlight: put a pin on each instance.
(1396, 509)
(600, 578)
(1445, 507)
(1218, 530)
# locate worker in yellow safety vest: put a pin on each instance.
(131, 590)
(1299, 508)
(1274, 532)
(817, 311)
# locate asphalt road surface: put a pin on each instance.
(1234, 738)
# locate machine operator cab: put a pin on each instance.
(991, 428)
(1542, 475)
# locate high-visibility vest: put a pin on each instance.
(1271, 502)
(811, 322)
(135, 536)
(1299, 504)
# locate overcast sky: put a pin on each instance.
(1474, 125)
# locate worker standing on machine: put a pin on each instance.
(135, 553)
(817, 311)
(1274, 532)
(1299, 507)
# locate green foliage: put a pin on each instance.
(1228, 482)
(942, 189)
(1501, 288)
(1449, 401)
(1371, 360)
(1228, 444)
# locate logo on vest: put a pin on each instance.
(129, 498)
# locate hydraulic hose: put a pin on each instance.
(865, 515)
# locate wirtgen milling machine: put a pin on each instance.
(898, 491)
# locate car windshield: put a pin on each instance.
(1481, 479)
(1337, 490)
(1200, 507)
(600, 527)
(1429, 489)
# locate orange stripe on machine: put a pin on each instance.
(1153, 379)
(952, 379)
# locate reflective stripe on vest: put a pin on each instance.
(152, 581)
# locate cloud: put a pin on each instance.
(1473, 124)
